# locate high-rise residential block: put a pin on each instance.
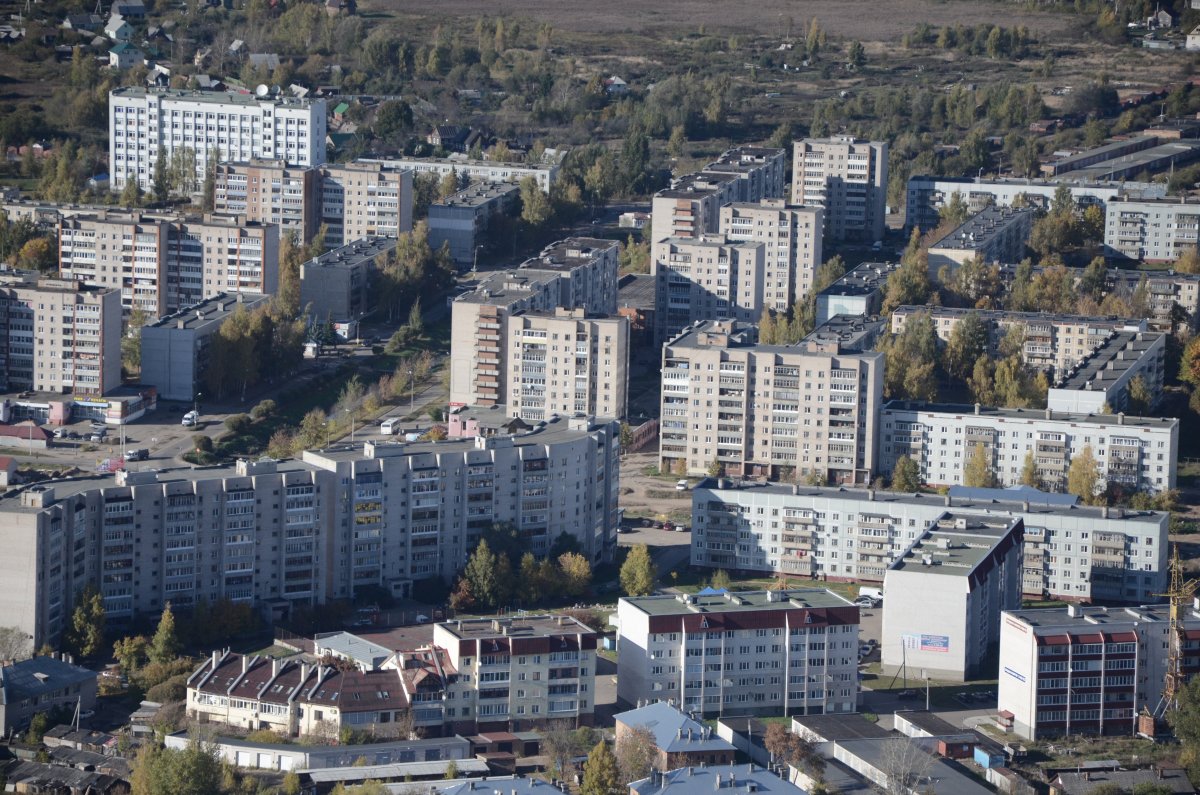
(706, 278)
(233, 127)
(788, 652)
(271, 192)
(338, 284)
(796, 411)
(849, 179)
(791, 236)
(58, 335)
(459, 221)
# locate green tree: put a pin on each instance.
(208, 198)
(131, 194)
(720, 579)
(1140, 398)
(86, 632)
(165, 646)
(449, 185)
(677, 144)
(131, 653)
(978, 470)
(906, 475)
(162, 187)
(481, 573)
(856, 56)
(576, 574)
(715, 468)
(1029, 472)
(535, 204)
(955, 211)
(909, 284)
(1083, 477)
(638, 572)
(600, 772)
(39, 724)
(968, 341)
(626, 436)
(195, 770)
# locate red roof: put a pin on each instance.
(24, 430)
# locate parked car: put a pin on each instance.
(681, 486)
(191, 418)
(141, 454)
(668, 526)
(60, 433)
(98, 436)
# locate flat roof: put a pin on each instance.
(698, 183)
(928, 721)
(527, 626)
(1032, 415)
(734, 335)
(1146, 159)
(1104, 149)
(226, 97)
(1012, 316)
(864, 279)
(851, 333)
(331, 775)
(737, 602)
(353, 254)
(1083, 616)
(28, 679)
(978, 230)
(955, 544)
(834, 726)
(636, 290)
(217, 307)
(353, 647)
(1110, 360)
(479, 194)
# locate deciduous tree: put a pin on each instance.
(1083, 477)
(638, 573)
(978, 471)
(906, 475)
(600, 776)
(165, 646)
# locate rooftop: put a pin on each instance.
(210, 310)
(737, 602)
(674, 731)
(30, 679)
(636, 291)
(718, 778)
(1154, 158)
(1110, 360)
(944, 776)
(528, 626)
(1080, 617)
(31, 280)
(696, 184)
(224, 97)
(979, 229)
(352, 647)
(503, 785)
(1028, 318)
(929, 722)
(1172, 779)
(733, 335)
(1031, 415)
(1105, 150)
(353, 254)
(399, 770)
(850, 333)
(834, 726)
(480, 194)
(1014, 494)
(955, 545)
(863, 280)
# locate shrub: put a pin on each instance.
(202, 443)
(238, 423)
(174, 689)
(265, 408)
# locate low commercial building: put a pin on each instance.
(1158, 230)
(58, 336)
(792, 237)
(175, 348)
(678, 739)
(337, 284)
(1102, 383)
(994, 234)
(1158, 159)
(42, 684)
(859, 292)
(793, 651)
(705, 278)
(823, 406)
(1052, 341)
(1138, 453)
(462, 219)
(807, 531)
(1088, 670)
(1099, 154)
(944, 593)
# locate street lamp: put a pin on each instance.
(475, 262)
(412, 392)
(196, 402)
(325, 425)
(351, 413)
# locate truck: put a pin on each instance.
(874, 593)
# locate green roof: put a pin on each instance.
(341, 108)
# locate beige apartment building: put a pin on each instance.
(790, 411)
(163, 263)
(706, 278)
(791, 236)
(849, 179)
(58, 336)
(1052, 341)
(577, 273)
(271, 192)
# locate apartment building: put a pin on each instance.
(1053, 342)
(791, 237)
(762, 171)
(1100, 383)
(163, 263)
(175, 347)
(857, 293)
(337, 285)
(787, 652)
(705, 278)
(1138, 453)
(848, 178)
(794, 411)
(474, 170)
(1071, 552)
(58, 336)
(576, 273)
(275, 534)
(678, 740)
(927, 195)
(944, 594)
(1088, 670)
(233, 127)
(461, 220)
(42, 684)
(1151, 230)
(515, 674)
(994, 234)
(352, 200)
(564, 363)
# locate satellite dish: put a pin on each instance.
(262, 90)
(275, 91)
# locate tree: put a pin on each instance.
(600, 772)
(480, 573)
(968, 341)
(162, 187)
(1139, 396)
(131, 194)
(626, 437)
(638, 572)
(86, 632)
(131, 652)
(635, 753)
(1029, 472)
(195, 770)
(955, 211)
(38, 725)
(1083, 477)
(165, 646)
(202, 443)
(561, 744)
(792, 749)
(1185, 720)
(719, 580)
(535, 204)
(904, 764)
(715, 468)
(906, 475)
(38, 254)
(208, 197)
(449, 185)
(576, 573)
(237, 423)
(131, 340)
(15, 644)
(855, 54)
(978, 471)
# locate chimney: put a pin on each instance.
(1121, 418)
(215, 659)
(1025, 506)
(245, 663)
(274, 668)
(1049, 413)
(976, 409)
(1104, 511)
(949, 501)
(870, 495)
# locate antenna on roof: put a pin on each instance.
(261, 90)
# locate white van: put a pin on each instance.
(191, 418)
(388, 427)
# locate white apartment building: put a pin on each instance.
(474, 170)
(859, 293)
(1100, 383)
(848, 178)
(236, 127)
(1052, 342)
(58, 336)
(788, 652)
(994, 234)
(943, 596)
(1151, 230)
(564, 363)
(1071, 552)
(279, 534)
(163, 263)
(1088, 670)
(577, 273)
(706, 278)
(1135, 452)
(790, 411)
(791, 236)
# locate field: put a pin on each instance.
(866, 20)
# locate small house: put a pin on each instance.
(89, 22)
(124, 55)
(117, 29)
(616, 87)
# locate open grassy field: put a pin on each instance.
(857, 19)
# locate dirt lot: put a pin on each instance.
(636, 488)
(860, 19)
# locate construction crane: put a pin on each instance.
(1180, 592)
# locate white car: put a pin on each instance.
(191, 418)
(681, 485)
